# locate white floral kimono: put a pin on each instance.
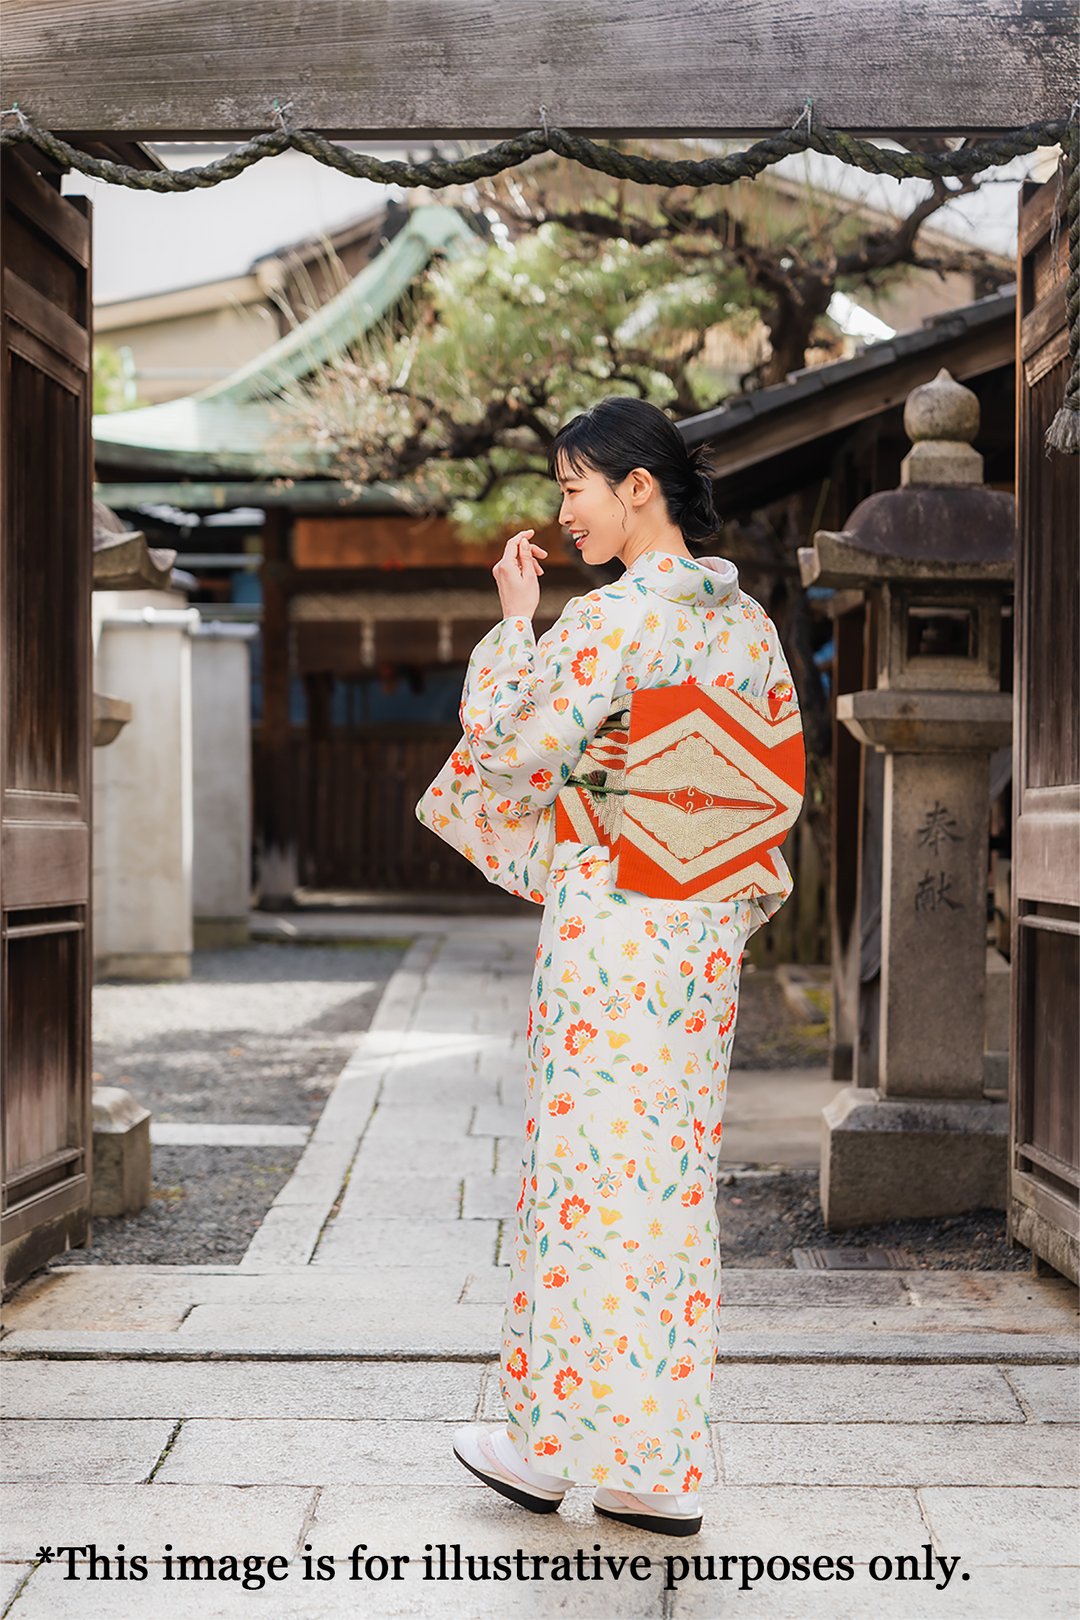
(610, 1324)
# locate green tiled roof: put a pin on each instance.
(225, 430)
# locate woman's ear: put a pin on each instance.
(642, 486)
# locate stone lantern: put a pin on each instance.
(938, 555)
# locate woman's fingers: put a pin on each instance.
(519, 553)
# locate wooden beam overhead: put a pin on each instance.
(187, 69)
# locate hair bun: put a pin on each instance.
(698, 517)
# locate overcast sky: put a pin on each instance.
(145, 243)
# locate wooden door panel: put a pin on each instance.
(1044, 1183)
(45, 582)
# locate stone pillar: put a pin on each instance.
(221, 784)
(142, 789)
(933, 925)
(922, 1138)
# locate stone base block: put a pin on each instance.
(220, 933)
(891, 1158)
(146, 967)
(121, 1153)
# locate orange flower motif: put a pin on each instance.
(639, 990)
(518, 1364)
(718, 963)
(541, 780)
(566, 1383)
(561, 705)
(691, 1480)
(562, 1103)
(650, 929)
(695, 1023)
(683, 1368)
(461, 762)
(521, 1303)
(621, 1344)
(716, 1133)
(678, 1142)
(572, 928)
(549, 1445)
(699, 1135)
(556, 1277)
(620, 1420)
(620, 1454)
(578, 1036)
(573, 1211)
(686, 968)
(696, 1306)
(693, 1195)
(639, 1106)
(584, 666)
(665, 1317)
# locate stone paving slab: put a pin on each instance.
(398, 1129)
(999, 1525)
(819, 1288)
(467, 1156)
(501, 1121)
(991, 1594)
(448, 1391)
(882, 1394)
(214, 1519)
(405, 1243)
(109, 1452)
(893, 1454)
(106, 1297)
(49, 1597)
(12, 1577)
(1049, 1394)
(430, 1197)
(166, 1134)
(491, 1196)
(273, 1451)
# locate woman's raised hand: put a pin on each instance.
(517, 574)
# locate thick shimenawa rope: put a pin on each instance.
(1063, 434)
(436, 173)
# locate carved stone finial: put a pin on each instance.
(942, 418)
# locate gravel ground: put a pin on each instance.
(256, 1036)
(761, 1221)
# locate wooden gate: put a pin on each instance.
(1045, 1060)
(45, 583)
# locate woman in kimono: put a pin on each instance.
(609, 1335)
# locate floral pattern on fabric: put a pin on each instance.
(610, 1324)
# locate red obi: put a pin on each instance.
(691, 788)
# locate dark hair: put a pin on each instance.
(621, 433)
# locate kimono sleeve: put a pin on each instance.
(529, 710)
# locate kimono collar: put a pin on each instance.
(704, 581)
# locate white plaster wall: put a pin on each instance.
(143, 793)
(221, 754)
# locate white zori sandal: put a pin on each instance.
(665, 1515)
(492, 1457)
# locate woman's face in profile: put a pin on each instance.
(598, 517)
